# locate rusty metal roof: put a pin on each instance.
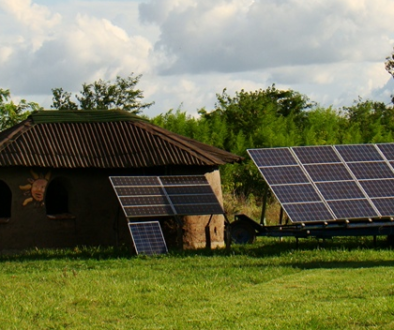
(101, 139)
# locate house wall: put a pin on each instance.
(95, 216)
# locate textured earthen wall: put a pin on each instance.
(194, 226)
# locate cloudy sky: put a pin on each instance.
(333, 51)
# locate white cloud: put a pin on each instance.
(189, 50)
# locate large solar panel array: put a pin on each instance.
(148, 237)
(157, 196)
(328, 183)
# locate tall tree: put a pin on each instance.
(12, 113)
(104, 95)
(389, 64)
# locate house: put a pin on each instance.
(54, 177)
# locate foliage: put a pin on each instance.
(389, 64)
(12, 113)
(273, 118)
(268, 285)
(103, 95)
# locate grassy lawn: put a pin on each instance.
(347, 284)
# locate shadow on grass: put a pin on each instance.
(307, 254)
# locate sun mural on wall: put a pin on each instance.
(35, 189)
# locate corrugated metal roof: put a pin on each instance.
(59, 139)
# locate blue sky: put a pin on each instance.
(190, 50)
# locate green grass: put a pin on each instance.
(347, 284)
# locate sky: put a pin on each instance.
(188, 51)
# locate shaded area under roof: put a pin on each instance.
(101, 139)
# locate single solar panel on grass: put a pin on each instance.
(148, 237)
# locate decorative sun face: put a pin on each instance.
(35, 189)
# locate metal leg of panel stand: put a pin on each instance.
(264, 210)
(374, 241)
(281, 221)
(208, 234)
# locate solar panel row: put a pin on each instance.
(326, 183)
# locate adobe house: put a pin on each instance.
(54, 178)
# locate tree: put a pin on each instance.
(389, 64)
(11, 113)
(103, 95)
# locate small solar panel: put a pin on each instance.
(359, 152)
(296, 193)
(352, 209)
(316, 154)
(165, 196)
(284, 175)
(307, 212)
(340, 190)
(328, 172)
(330, 182)
(387, 150)
(272, 157)
(378, 188)
(148, 237)
(372, 170)
(385, 206)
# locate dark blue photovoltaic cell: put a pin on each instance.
(328, 172)
(307, 212)
(373, 170)
(296, 193)
(378, 188)
(340, 190)
(283, 175)
(148, 238)
(135, 181)
(385, 206)
(198, 209)
(358, 152)
(316, 154)
(148, 211)
(352, 209)
(139, 191)
(387, 150)
(272, 157)
(143, 200)
(183, 180)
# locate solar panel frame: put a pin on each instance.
(147, 197)
(148, 238)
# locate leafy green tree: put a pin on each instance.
(12, 113)
(104, 95)
(374, 121)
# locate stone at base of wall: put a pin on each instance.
(202, 245)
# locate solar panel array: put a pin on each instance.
(155, 196)
(148, 237)
(329, 183)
